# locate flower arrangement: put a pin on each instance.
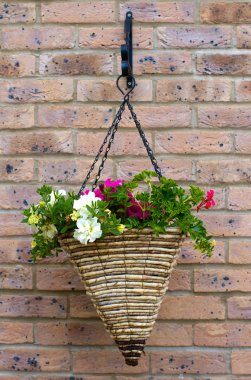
(114, 206)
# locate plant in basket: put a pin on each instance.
(123, 238)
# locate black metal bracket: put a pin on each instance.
(126, 51)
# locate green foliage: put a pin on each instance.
(139, 203)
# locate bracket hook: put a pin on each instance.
(126, 51)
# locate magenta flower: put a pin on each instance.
(208, 201)
(97, 192)
(135, 210)
(113, 184)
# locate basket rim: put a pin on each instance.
(127, 231)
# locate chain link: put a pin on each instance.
(109, 138)
(111, 132)
(144, 139)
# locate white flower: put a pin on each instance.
(85, 200)
(53, 195)
(49, 231)
(88, 230)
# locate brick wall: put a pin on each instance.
(58, 68)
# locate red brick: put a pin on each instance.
(125, 143)
(180, 280)
(17, 197)
(239, 198)
(177, 12)
(223, 12)
(170, 116)
(230, 224)
(34, 359)
(239, 252)
(17, 378)
(243, 34)
(32, 306)
(223, 171)
(75, 12)
(106, 90)
(34, 38)
(18, 277)
(101, 361)
(192, 307)
(239, 307)
(170, 334)
(188, 362)
(14, 251)
(69, 171)
(76, 333)
(36, 90)
(162, 63)
(17, 65)
(10, 225)
(227, 116)
(76, 64)
(103, 38)
(223, 335)
(241, 362)
(81, 307)
(192, 142)
(193, 90)
(243, 91)
(86, 377)
(15, 117)
(222, 280)
(17, 332)
(17, 169)
(194, 37)
(178, 169)
(39, 142)
(65, 116)
(17, 12)
(189, 255)
(242, 143)
(224, 64)
(58, 279)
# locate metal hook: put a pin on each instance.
(126, 50)
(133, 85)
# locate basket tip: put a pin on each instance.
(132, 362)
(131, 350)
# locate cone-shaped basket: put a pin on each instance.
(126, 277)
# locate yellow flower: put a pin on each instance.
(33, 219)
(49, 231)
(121, 228)
(33, 244)
(41, 203)
(74, 216)
(108, 211)
(213, 243)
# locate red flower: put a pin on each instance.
(208, 201)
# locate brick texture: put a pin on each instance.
(58, 67)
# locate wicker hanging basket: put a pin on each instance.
(126, 277)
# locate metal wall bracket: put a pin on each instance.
(126, 51)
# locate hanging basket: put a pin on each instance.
(126, 277)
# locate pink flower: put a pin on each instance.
(136, 210)
(113, 184)
(97, 192)
(208, 201)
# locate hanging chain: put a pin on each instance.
(109, 138)
(144, 139)
(111, 132)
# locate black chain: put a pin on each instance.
(111, 132)
(110, 138)
(144, 139)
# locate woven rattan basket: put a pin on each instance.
(126, 277)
